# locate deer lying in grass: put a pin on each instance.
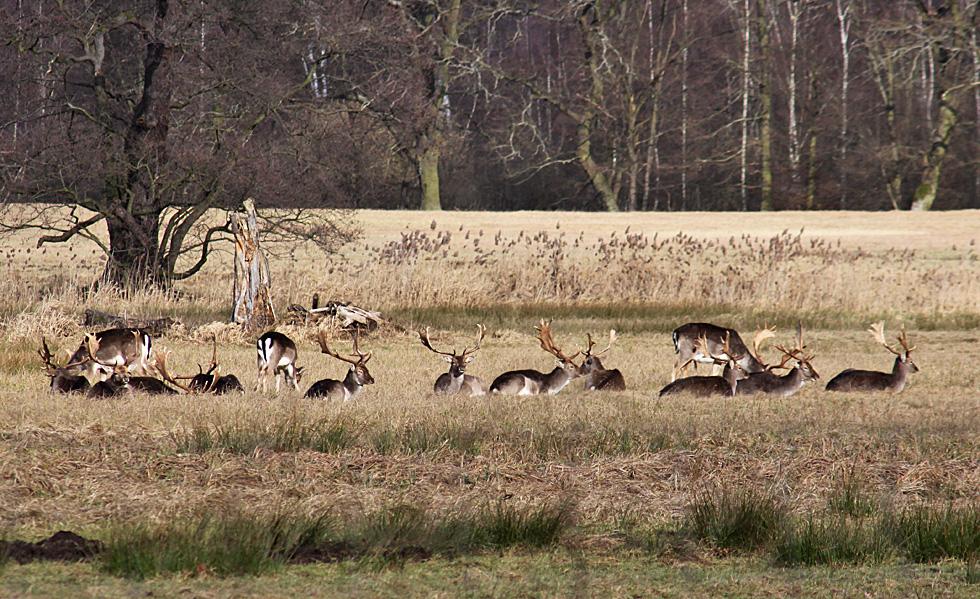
(869, 380)
(708, 386)
(62, 378)
(115, 347)
(277, 354)
(213, 381)
(690, 351)
(782, 386)
(456, 380)
(356, 378)
(598, 378)
(532, 382)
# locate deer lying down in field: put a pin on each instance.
(782, 386)
(598, 378)
(533, 382)
(709, 386)
(456, 380)
(691, 351)
(356, 378)
(213, 381)
(62, 378)
(869, 380)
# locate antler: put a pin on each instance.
(760, 337)
(45, 354)
(612, 339)
(160, 365)
(481, 331)
(548, 342)
(904, 341)
(877, 331)
(322, 340)
(797, 351)
(424, 336)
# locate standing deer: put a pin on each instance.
(116, 347)
(356, 378)
(532, 382)
(686, 345)
(277, 354)
(707, 386)
(788, 384)
(456, 380)
(869, 380)
(598, 378)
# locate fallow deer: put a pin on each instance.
(788, 384)
(356, 378)
(869, 380)
(598, 378)
(456, 380)
(277, 354)
(708, 386)
(62, 379)
(116, 384)
(686, 339)
(213, 381)
(532, 382)
(116, 347)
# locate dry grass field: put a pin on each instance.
(629, 476)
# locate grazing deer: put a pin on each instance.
(598, 378)
(356, 378)
(277, 354)
(788, 384)
(686, 343)
(869, 380)
(116, 347)
(62, 379)
(456, 380)
(707, 386)
(532, 382)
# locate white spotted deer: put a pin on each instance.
(788, 384)
(277, 354)
(456, 380)
(708, 386)
(686, 345)
(356, 378)
(869, 380)
(598, 378)
(533, 382)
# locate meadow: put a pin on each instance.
(405, 493)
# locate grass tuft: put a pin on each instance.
(814, 542)
(929, 534)
(737, 519)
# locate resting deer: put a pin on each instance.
(213, 381)
(788, 384)
(456, 380)
(686, 343)
(62, 379)
(116, 347)
(116, 384)
(532, 382)
(869, 380)
(356, 378)
(598, 378)
(277, 354)
(707, 386)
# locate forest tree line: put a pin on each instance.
(131, 108)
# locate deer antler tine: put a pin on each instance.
(760, 337)
(481, 331)
(877, 331)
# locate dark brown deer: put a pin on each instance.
(533, 382)
(62, 379)
(869, 380)
(213, 381)
(356, 378)
(708, 386)
(456, 380)
(597, 378)
(783, 386)
(686, 341)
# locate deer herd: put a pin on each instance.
(121, 360)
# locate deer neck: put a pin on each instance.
(556, 380)
(750, 364)
(900, 373)
(351, 384)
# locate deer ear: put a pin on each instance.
(448, 359)
(469, 359)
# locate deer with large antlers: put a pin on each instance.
(691, 352)
(116, 347)
(277, 355)
(456, 380)
(869, 380)
(532, 382)
(356, 378)
(62, 378)
(708, 386)
(213, 381)
(598, 378)
(788, 384)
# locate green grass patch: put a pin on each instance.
(814, 542)
(740, 520)
(292, 434)
(929, 534)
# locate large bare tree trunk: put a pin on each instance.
(252, 292)
(843, 19)
(932, 163)
(765, 113)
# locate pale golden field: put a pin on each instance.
(628, 462)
